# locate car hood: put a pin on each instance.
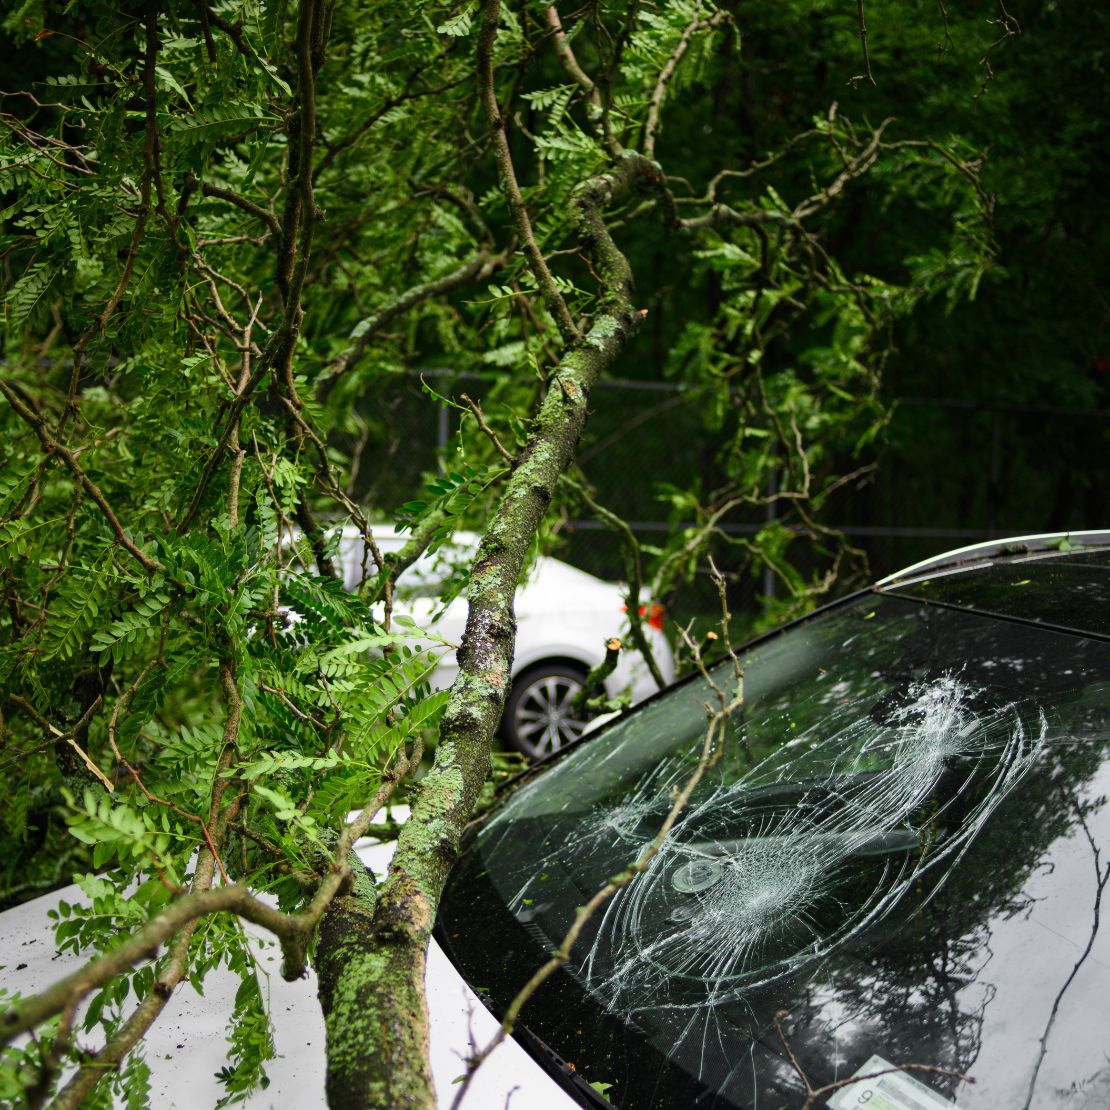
(187, 1046)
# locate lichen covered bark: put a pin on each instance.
(372, 961)
(375, 1056)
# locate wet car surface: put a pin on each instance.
(900, 855)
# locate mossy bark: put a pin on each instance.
(372, 959)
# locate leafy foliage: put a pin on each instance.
(227, 229)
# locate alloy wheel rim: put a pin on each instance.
(543, 719)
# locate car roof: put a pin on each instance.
(978, 553)
(1059, 581)
(549, 583)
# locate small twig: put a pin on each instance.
(113, 727)
(244, 203)
(476, 409)
(234, 31)
(863, 42)
(815, 1093)
(56, 736)
(651, 127)
(945, 42)
(1010, 27)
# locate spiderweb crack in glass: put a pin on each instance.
(740, 894)
(754, 922)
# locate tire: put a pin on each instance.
(537, 720)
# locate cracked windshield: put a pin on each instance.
(906, 793)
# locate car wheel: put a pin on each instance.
(538, 719)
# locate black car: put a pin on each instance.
(898, 862)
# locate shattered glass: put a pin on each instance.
(898, 789)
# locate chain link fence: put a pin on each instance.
(953, 473)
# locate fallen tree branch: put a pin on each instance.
(371, 952)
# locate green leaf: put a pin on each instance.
(458, 25)
(29, 291)
(75, 607)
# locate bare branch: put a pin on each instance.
(721, 215)
(813, 1094)
(479, 416)
(863, 42)
(857, 167)
(567, 56)
(52, 447)
(651, 127)
(518, 211)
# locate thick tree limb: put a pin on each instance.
(385, 1065)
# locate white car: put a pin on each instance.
(887, 888)
(564, 618)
